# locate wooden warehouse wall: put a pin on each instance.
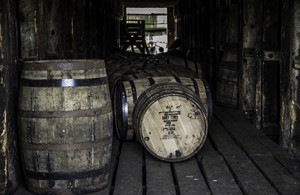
(78, 29)
(210, 32)
(9, 172)
(45, 29)
(249, 48)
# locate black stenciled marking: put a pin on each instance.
(169, 118)
(63, 82)
(178, 154)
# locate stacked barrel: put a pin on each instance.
(160, 101)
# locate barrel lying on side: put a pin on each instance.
(65, 126)
(170, 121)
(126, 94)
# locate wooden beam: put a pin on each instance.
(9, 174)
(150, 3)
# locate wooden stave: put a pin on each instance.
(124, 127)
(141, 107)
(103, 142)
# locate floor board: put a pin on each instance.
(235, 159)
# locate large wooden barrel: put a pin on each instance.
(65, 126)
(126, 94)
(170, 121)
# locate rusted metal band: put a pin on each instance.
(64, 82)
(66, 176)
(66, 191)
(63, 65)
(67, 147)
(65, 114)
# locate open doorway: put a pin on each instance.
(146, 30)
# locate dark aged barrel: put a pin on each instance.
(170, 121)
(126, 94)
(65, 126)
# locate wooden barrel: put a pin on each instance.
(170, 121)
(227, 87)
(65, 126)
(126, 94)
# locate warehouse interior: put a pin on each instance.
(247, 51)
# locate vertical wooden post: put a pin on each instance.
(248, 71)
(295, 82)
(9, 173)
(286, 64)
(268, 72)
(258, 88)
(171, 25)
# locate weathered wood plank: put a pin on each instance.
(189, 177)
(218, 175)
(53, 11)
(224, 143)
(282, 180)
(113, 167)
(29, 28)
(79, 30)
(9, 161)
(159, 178)
(234, 117)
(129, 171)
(285, 158)
(242, 131)
(248, 176)
(207, 148)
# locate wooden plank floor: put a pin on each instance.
(236, 159)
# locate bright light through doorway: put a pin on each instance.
(156, 26)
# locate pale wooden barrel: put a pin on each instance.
(126, 94)
(65, 126)
(170, 121)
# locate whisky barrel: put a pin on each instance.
(170, 121)
(126, 94)
(65, 126)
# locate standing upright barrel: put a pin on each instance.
(65, 126)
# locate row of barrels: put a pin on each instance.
(161, 101)
(67, 109)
